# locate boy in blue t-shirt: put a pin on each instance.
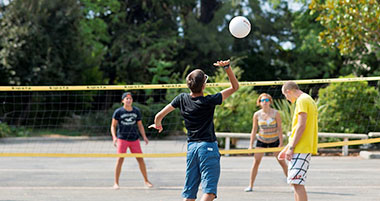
(203, 158)
(125, 128)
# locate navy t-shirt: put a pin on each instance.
(198, 113)
(127, 123)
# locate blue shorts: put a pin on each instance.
(203, 166)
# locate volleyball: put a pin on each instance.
(240, 27)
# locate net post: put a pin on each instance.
(227, 147)
(345, 147)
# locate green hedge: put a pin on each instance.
(12, 131)
(349, 107)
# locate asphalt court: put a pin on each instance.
(329, 178)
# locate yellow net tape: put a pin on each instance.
(167, 155)
(168, 86)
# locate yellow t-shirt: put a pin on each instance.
(309, 140)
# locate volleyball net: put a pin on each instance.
(69, 121)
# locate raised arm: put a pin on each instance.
(231, 76)
(159, 116)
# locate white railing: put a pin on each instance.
(374, 134)
(345, 137)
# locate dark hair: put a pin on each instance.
(125, 95)
(195, 80)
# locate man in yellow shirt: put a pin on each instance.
(304, 139)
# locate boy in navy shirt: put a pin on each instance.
(203, 158)
(125, 128)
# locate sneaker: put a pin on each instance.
(248, 189)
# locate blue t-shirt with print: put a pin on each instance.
(127, 123)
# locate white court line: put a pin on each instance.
(183, 170)
(286, 187)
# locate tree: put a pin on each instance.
(207, 41)
(309, 58)
(142, 34)
(265, 56)
(41, 44)
(349, 24)
(349, 107)
(94, 28)
(353, 27)
(203, 34)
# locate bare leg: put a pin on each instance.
(208, 197)
(119, 164)
(143, 172)
(186, 199)
(255, 167)
(283, 164)
(300, 192)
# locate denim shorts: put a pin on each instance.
(203, 167)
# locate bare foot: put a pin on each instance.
(148, 184)
(116, 186)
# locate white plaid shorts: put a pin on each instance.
(297, 168)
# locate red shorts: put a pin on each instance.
(122, 146)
